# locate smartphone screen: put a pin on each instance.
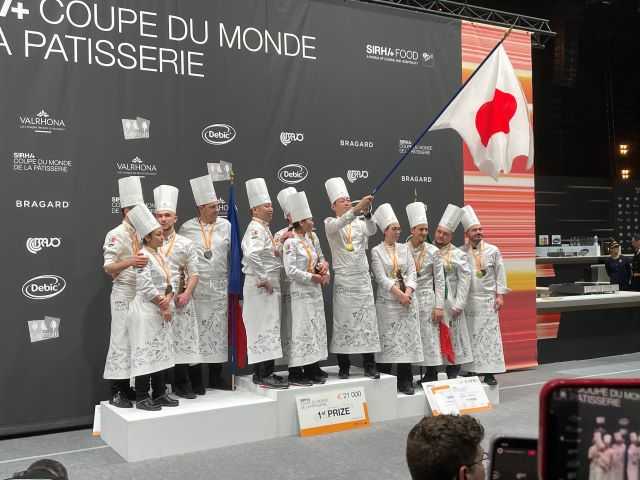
(514, 458)
(592, 433)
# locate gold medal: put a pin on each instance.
(349, 247)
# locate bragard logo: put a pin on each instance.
(287, 137)
(355, 175)
(35, 245)
(356, 143)
(293, 173)
(44, 287)
(41, 122)
(416, 179)
(218, 134)
(51, 204)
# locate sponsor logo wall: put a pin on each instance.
(265, 96)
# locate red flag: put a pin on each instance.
(446, 347)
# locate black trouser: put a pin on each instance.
(263, 369)
(119, 386)
(215, 370)
(431, 373)
(305, 370)
(187, 377)
(344, 361)
(453, 370)
(157, 385)
(404, 371)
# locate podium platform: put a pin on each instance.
(249, 414)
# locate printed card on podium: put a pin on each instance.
(458, 396)
(332, 411)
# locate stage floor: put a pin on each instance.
(376, 452)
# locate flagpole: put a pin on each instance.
(232, 308)
(437, 117)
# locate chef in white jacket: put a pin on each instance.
(261, 264)
(211, 236)
(308, 344)
(355, 326)
(457, 276)
(183, 258)
(488, 285)
(429, 293)
(150, 315)
(395, 273)
(280, 237)
(121, 257)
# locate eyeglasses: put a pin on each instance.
(483, 460)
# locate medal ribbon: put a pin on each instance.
(477, 255)
(420, 260)
(163, 265)
(394, 260)
(207, 237)
(309, 254)
(169, 250)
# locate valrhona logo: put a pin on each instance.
(41, 122)
(43, 287)
(136, 167)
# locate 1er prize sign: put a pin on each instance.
(332, 411)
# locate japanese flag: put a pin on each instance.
(490, 113)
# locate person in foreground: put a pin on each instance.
(446, 447)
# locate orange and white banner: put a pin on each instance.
(332, 411)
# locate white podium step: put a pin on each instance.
(250, 414)
(217, 419)
(380, 395)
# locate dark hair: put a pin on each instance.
(636, 236)
(45, 468)
(438, 446)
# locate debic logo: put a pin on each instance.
(218, 134)
(43, 287)
(293, 173)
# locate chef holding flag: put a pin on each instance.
(355, 326)
(121, 257)
(182, 256)
(430, 288)
(457, 276)
(210, 235)
(488, 285)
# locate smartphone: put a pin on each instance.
(514, 458)
(590, 429)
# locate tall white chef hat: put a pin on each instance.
(283, 196)
(336, 188)
(298, 207)
(165, 198)
(384, 216)
(451, 217)
(417, 214)
(469, 217)
(142, 220)
(203, 191)
(130, 191)
(257, 192)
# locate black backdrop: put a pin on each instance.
(367, 79)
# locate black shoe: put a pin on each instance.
(470, 374)
(372, 372)
(166, 401)
(343, 373)
(148, 404)
(120, 400)
(199, 390)
(320, 372)
(406, 387)
(186, 392)
(220, 383)
(317, 379)
(274, 381)
(131, 394)
(490, 380)
(299, 380)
